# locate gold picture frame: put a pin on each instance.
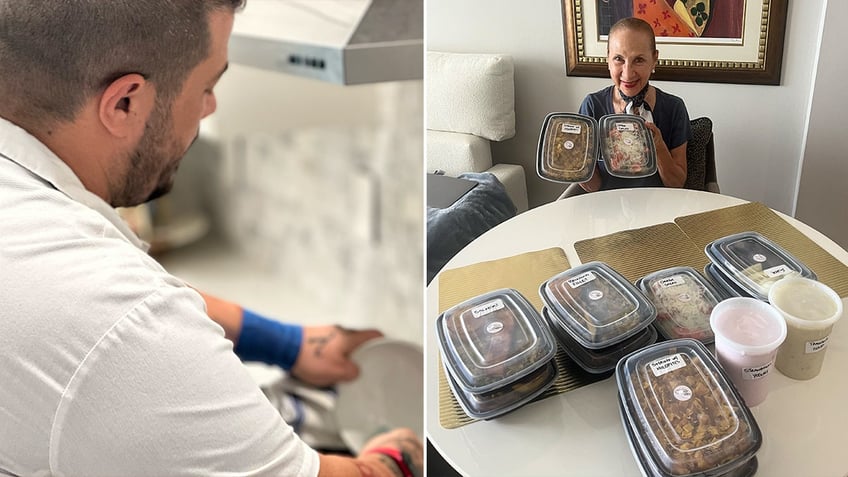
(755, 58)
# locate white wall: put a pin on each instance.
(759, 129)
(823, 192)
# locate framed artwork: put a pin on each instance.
(714, 41)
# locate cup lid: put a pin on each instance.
(752, 326)
(627, 146)
(493, 339)
(806, 303)
(568, 148)
(754, 263)
(684, 300)
(682, 408)
(597, 305)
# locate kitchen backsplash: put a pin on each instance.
(336, 212)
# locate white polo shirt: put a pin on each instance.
(108, 364)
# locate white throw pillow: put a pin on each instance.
(471, 93)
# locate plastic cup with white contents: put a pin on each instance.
(810, 308)
(748, 333)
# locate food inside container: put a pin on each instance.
(684, 300)
(508, 398)
(596, 305)
(754, 263)
(568, 148)
(627, 146)
(683, 411)
(725, 285)
(493, 339)
(598, 361)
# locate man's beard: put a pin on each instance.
(152, 159)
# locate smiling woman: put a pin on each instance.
(631, 58)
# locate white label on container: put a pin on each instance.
(568, 145)
(667, 364)
(486, 308)
(759, 258)
(625, 127)
(571, 128)
(816, 346)
(777, 271)
(682, 393)
(756, 372)
(581, 279)
(669, 282)
(494, 327)
(595, 295)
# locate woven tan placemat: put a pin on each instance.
(705, 227)
(638, 252)
(525, 273)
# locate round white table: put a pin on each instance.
(579, 432)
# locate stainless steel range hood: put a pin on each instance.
(340, 41)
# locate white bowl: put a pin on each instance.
(389, 392)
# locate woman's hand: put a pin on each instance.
(670, 164)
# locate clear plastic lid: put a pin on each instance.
(754, 263)
(627, 146)
(598, 361)
(493, 339)
(684, 300)
(725, 284)
(596, 305)
(568, 148)
(500, 401)
(688, 418)
(649, 468)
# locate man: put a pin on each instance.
(109, 365)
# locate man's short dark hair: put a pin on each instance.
(55, 54)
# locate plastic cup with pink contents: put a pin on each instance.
(748, 333)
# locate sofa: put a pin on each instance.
(470, 102)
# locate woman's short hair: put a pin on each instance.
(635, 24)
(55, 54)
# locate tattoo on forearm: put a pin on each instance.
(390, 464)
(364, 470)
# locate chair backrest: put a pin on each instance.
(700, 157)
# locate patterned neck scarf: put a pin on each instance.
(638, 102)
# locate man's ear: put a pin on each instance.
(126, 104)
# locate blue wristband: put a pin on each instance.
(268, 341)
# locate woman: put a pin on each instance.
(632, 55)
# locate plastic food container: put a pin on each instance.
(627, 146)
(684, 300)
(726, 286)
(598, 361)
(493, 340)
(568, 148)
(682, 411)
(754, 263)
(508, 398)
(596, 305)
(649, 468)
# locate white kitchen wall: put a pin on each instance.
(822, 189)
(759, 130)
(320, 187)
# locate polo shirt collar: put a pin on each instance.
(22, 148)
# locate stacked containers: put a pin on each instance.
(597, 315)
(568, 148)
(497, 353)
(570, 144)
(748, 264)
(682, 415)
(684, 300)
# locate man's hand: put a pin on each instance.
(324, 357)
(405, 442)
